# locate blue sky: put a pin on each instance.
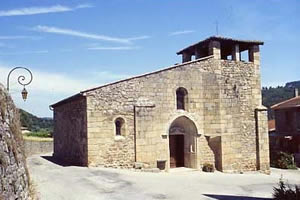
(74, 45)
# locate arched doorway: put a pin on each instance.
(182, 143)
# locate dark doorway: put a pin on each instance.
(176, 151)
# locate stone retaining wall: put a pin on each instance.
(14, 178)
(37, 147)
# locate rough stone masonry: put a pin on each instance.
(206, 110)
(14, 178)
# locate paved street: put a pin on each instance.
(57, 182)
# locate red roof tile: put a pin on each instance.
(290, 103)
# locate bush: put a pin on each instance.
(207, 167)
(283, 160)
(42, 134)
(285, 192)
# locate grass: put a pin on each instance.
(41, 136)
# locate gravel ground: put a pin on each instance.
(58, 182)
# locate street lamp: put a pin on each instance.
(21, 80)
(24, 94)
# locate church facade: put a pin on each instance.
(207, 109)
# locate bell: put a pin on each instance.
(24, 94)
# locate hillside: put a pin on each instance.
(34, 123)
(274, 95)
(293, 84)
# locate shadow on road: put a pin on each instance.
(230, 197)
(59, 162)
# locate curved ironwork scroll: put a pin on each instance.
(21, 79)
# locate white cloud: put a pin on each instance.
(181, 32)
(84, 6)
(19, 37)
(40, 10)
(23, 53)
(62, 31)
(139, 38)
(106, 76)
(49, 88)
(113, 48)
(52, 82)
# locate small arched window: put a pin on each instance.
(120, 126)
(182, 98)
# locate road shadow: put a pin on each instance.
(59, 162)
(231, 197)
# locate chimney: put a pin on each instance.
(296, 92)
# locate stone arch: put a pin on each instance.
(181, 113)
(183, 143)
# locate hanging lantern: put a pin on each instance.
(21, 80)
(24, 94)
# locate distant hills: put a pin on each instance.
(34, 123)
(293, 84)
(274, 95)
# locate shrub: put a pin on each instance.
(207, 167)
(283, 160)
(42, 134)
(285, 192)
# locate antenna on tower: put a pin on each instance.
(217, 27)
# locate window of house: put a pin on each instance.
(120, 126)
(181, 98)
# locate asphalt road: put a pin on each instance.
(57, 182)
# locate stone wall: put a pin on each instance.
(14, 178)
(37, 147)
(70, 132)
(222, 97)
(152, 124)
(238, 100)
(262, 145)
(103, 108)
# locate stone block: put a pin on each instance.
(138, 165)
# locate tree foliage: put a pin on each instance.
(274, 95)
(34, 123)
(285, 192)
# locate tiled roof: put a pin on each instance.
(221, 38)
(290, 103)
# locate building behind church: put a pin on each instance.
(208, 109)
(286, 136)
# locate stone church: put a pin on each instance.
(207, 109)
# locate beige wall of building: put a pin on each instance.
(222, 123)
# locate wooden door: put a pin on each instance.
(176, 144)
